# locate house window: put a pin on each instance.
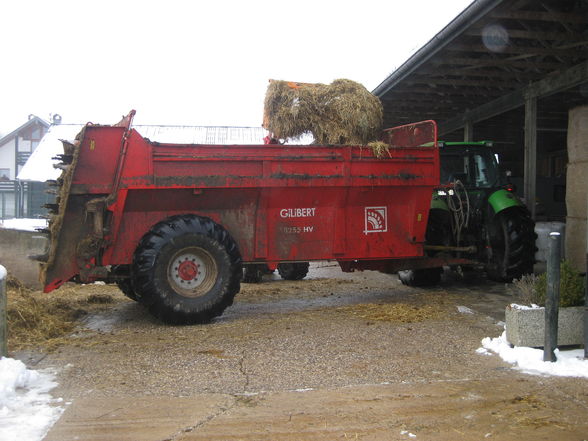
(4, 174)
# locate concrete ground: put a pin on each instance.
(336, 356)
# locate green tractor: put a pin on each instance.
(475, 216)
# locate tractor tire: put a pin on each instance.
(126, 287)
(186, 269)
(512, 243)
(438, 233)
(421, 277)
(293, 271)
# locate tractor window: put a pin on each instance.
(486, 173)
(474, 168)
(454, 167)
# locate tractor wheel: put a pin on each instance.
(438, 233)
(293, 271)
(127, 289)
(253, 273)
(421, 277)
(512, 241)
(187, 269)
(124, 284)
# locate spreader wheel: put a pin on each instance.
(187, 269)
(438, 233)
(421, 277)
(127, 289)
(293, 271)
(253, 273)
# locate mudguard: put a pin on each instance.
(501, 200)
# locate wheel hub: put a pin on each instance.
(192, 272)
(188, 270)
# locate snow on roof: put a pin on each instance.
(33, 119)
(39, 166)
(203, 135)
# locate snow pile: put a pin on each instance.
(524, 307)
(529, 360)
(24, 224)
(27, 411)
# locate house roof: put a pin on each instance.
(33, 120)
(489, 59)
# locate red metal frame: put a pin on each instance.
(280, 203)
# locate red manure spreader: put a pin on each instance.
(173, 224)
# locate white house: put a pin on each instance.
(17, 199)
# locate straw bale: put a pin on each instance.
(342, 113)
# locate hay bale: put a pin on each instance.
(342, 113)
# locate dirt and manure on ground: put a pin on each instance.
(335, 356)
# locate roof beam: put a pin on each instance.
(482, 82)
(482, 72)
(513, 49)
(556, 17)
(534, 35)
(495, 61)
(552, 84)
(444, 91)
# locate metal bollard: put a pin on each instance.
(552, 297)
(3, 319)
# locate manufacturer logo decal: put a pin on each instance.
(376, 220)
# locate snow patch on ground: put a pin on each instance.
(24, 224)
(465, 310)
(27, 411)
(570, 363)
(524, 307)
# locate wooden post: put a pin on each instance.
(552, 297)
(3, 320)
(530, 178)
(468, 131)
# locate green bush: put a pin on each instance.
(571, 287)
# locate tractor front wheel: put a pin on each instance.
(187, 269)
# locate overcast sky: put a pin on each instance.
(195, 62)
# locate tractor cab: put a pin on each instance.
(474, 164)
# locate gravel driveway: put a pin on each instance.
(335, 356)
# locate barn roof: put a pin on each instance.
(489, 59)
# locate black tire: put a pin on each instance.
(253, 273)
(512, 244)
(438, 233)
(187, 269)
(293, 271)
(421, 277)
(123, 280)
(127, 289)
